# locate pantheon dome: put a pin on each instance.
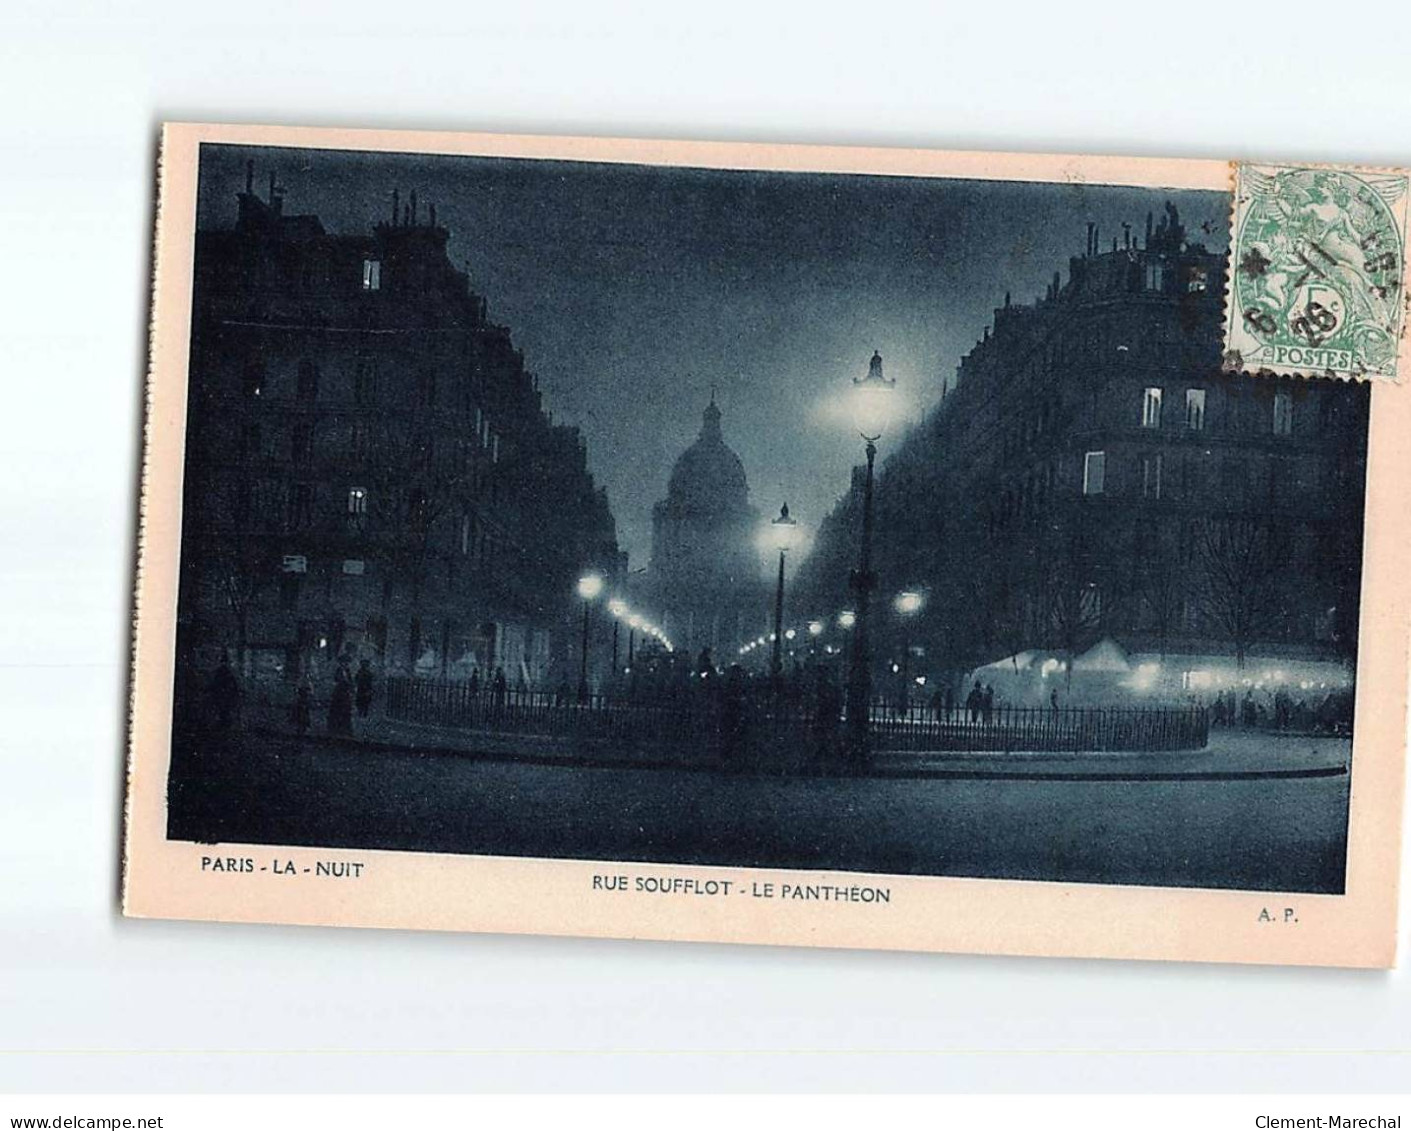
(708, 478)
(705, 569)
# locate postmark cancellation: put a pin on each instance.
(1317, 266)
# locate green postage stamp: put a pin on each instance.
(1317, 271)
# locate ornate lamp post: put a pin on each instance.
(871, 399)
(907, 604)
(781, 535)
(618, 608)
(589, 586)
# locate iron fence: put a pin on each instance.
(721, 722)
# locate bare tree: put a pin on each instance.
(1160, 589)
(1239, 571)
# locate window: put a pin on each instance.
(1094, 472)
(1151, 476)
(1151, 408)
(1195, 409)
(1283, 414)
(372, 274)
(1197, 281)
(495, 448)
(465, 535)
(357, 500)
(1155, 277)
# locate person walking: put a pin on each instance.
(364, 689)
(340, 703)
(225, 695)
(501, 690)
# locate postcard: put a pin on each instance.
(840, 547)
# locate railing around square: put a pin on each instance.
(719, 723)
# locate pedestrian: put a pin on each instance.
(972, 702)
(987, 703)
(303, 704)
(501, 689)
(1053, 699)
(340, 703)
(950, 702)
(474, 686)
(938, 704)
(364, 689)
(225, 694)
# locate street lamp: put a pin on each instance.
(589, 586)
(872, 397)
(781, 534)
(618, 608)
(907, 603)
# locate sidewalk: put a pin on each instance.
(1231, 754)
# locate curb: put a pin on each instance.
(877, 772)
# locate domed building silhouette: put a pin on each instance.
(704, 573)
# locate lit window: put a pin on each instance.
(1151, 476)
(372, 274)
(1155, 277)
(357, 500)
(1197, 280)
(1151, 408)
(495, 448)
(1195, 409)
(1094, 472)
(1283, 414)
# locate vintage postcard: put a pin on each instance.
(819, 546)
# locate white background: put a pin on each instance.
(88, 1001)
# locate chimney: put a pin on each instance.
(1090, 249)
(249, 176)
(1126, 234)
(271, 186)
(1094, 239)
(1114, 243)
(396, 205)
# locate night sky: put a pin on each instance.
(632, 290)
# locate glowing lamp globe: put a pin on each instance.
(872, 398)
(589, 586)
(847, 618)
(782, 533)
(617, 607)
(907, 603)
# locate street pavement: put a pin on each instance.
(1279, 825)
